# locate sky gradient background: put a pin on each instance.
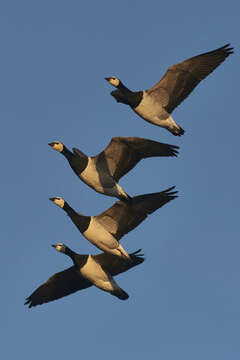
(184, 300)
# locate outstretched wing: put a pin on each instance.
(115, 265)
(57, 286)
(180, 79)
(123, 153)
(123, 217)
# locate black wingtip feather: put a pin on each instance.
(174, 151)
(226, 49)
(28, 302)
(170, 195)
(136, 252)
(136, 256)
(168, 191)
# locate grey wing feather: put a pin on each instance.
(115, 265)
(57, 286)
(123, 154)
(123, 217)
(180, 79)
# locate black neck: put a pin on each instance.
(128, 97)
(67, 153)
(81, 221)
(70, 253)
(79, 161)
(135, 99)
(78, 260)
(123, 88)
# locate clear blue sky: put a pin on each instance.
(184, 300)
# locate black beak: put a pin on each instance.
(51, 144)
(52, 199)
(54, 246)
(107, 78)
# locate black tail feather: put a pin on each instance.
(177, 131)
(121, 294)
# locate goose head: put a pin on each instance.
(60, 247)
(113, 80)
(58, 201)
(57, 145)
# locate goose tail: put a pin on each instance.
(120, 294)
(176, 130)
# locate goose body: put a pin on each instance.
(106, 229)
(156, 104)
(101, 181)
(88, 270)
(99, 236)
(151, 110)
(103, 171)
(101, 278)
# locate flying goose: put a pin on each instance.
(106, 229)
(156, 104)
(103, 171)
(87, 270)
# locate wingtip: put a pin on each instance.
(226, 45)
(174, 153)
(171, 193)
(227, 50)
(28, 302)
(173, 150)
(170, 189)
(137, 253)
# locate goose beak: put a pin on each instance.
(54, 246)
(107, 78)
(52, 199)
(51, 144)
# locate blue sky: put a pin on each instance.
(184, 300)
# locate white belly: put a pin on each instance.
(100, 237)
(92, 178)
(151, 111)
(95, 273)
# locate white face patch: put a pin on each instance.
(59, 247)
(114, 81)
(58, 146)
(59, 202)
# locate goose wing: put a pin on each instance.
(115, 265)
(180, 79)
(123, 153)
(61, 284)
(123, 217)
